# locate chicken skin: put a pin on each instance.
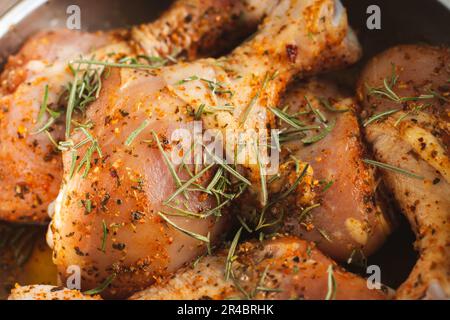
(30, 162)
(406, 98)
(126, 210)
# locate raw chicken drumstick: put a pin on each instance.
(405, 93)
(335, 201)
(283, 268)
(126, 213)
(30, 164)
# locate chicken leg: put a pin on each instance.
(30, 164)
(127, 211)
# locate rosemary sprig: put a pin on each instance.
(186, 232)
(87, 158)
(317, 112)
(321, 135)
(393, 168)
(262, 176)
(102, 287)
(410, 112)
(293, 135)
(218, 175)
(154, 61)
(387, 91)
(136, 132)
(231, 257)
(292, 121)
(228, 168)
(328, 185)
(200, 110)
(260, 286)
(105, 234)
(306, 211)
(216, 87)
(332, 285)
(439, 96)
(294, 185)
(71, 104)
(167, 161)
(188, 183)
(255, 98)
(43, 107)
(186, 80)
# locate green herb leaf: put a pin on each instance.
(136, 132)
(379, 116)
(43, 107)
(231, 251)
(332, 285)
(102, 286)
(321, 135)
(186, 232)
(393, 168)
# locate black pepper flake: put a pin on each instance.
(436, 180)
(188, 18)
(123, 113)
(140, 185)
(105, 201)
(79, 252)
(107, 120)
(115, 175)
(119, 246)
(292, 51)
(136, 215)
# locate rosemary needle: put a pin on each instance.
(393, 168)
(102, 286)
(186, 232)
(332, 285)
(136, 132)
(105, 234)
(379, 116)
(231, 251)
